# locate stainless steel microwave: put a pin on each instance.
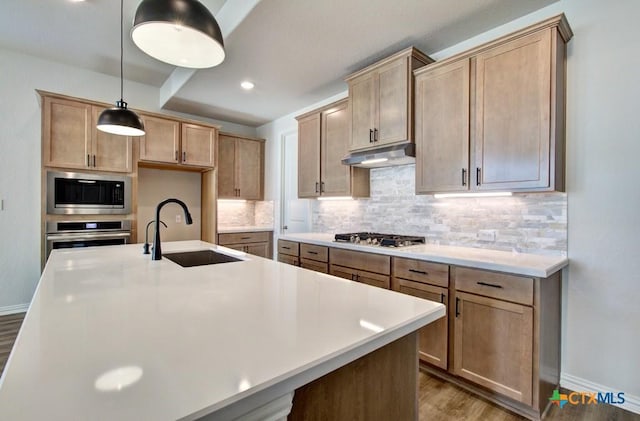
(77, 193)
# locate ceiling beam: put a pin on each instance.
(232, 13)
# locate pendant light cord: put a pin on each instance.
(121, 50)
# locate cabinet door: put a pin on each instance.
(362, 106)
(249, 169)
(290, 260)
(433, 338)
(198, 145)
(512, 109)
(313, 265)
(309, 156)
(258, 249)
(161, 140)
(392, 98)
(335, 177)
(226, 167)
(374, 279)
(493, 345)
(343, 272)
(110, 152)
(67, 133)
(442, 129)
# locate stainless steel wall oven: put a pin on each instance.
(77, 234)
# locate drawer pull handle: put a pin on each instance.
(286, 248)
(421, 272)
(442, 298)
(489, 285)
(457, 306)
(312, 252)
(245, 238)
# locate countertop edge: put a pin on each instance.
(233, 230)
(516, 269)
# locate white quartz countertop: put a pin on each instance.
(501, 261)
(248, 228)
(112, 335)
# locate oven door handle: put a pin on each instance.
(88, 236)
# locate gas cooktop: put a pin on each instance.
(377, 239)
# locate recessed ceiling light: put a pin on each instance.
(247, 85)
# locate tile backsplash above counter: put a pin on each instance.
(526, 223)
(234, 214)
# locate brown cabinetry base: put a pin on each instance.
(379, 386)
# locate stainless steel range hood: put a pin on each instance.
(384, 156)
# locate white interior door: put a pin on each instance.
(296, 213)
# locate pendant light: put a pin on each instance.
(179, 32)
(120, 120)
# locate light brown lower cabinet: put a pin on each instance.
(313, 265)
(493, 345)
(501, 334)
(255, 243)
(369, 278)
(432, 339)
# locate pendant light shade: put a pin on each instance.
(120, 120)
(179, 32)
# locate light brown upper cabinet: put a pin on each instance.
(172, 142)
(381, 100)
(323, 140)
(240, 168)
(493, 118)
(71, 139)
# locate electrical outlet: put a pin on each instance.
(178, 219)
(487, 235)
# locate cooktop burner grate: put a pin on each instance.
(377, 239)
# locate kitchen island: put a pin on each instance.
(111, 334)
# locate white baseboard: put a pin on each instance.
(577, 384)
(19, 308)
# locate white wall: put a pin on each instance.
(20, 160)
(601, 315)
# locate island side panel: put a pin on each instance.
(382, 385)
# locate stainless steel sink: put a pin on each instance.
(199, 258)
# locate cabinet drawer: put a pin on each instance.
(313, 265)
(244, 237)
(288, 247)
(370, 262)
(362, 276)
(318, 253)
(513, 288)
(290, 260)
(419, 271)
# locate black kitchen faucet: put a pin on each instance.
(157, 251)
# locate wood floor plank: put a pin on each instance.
(438, 400)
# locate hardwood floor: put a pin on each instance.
(9, 327)
(439, 400)
(442, 401)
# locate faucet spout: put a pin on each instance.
(157, 250)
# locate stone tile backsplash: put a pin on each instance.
(242, 214)
(527, 223)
